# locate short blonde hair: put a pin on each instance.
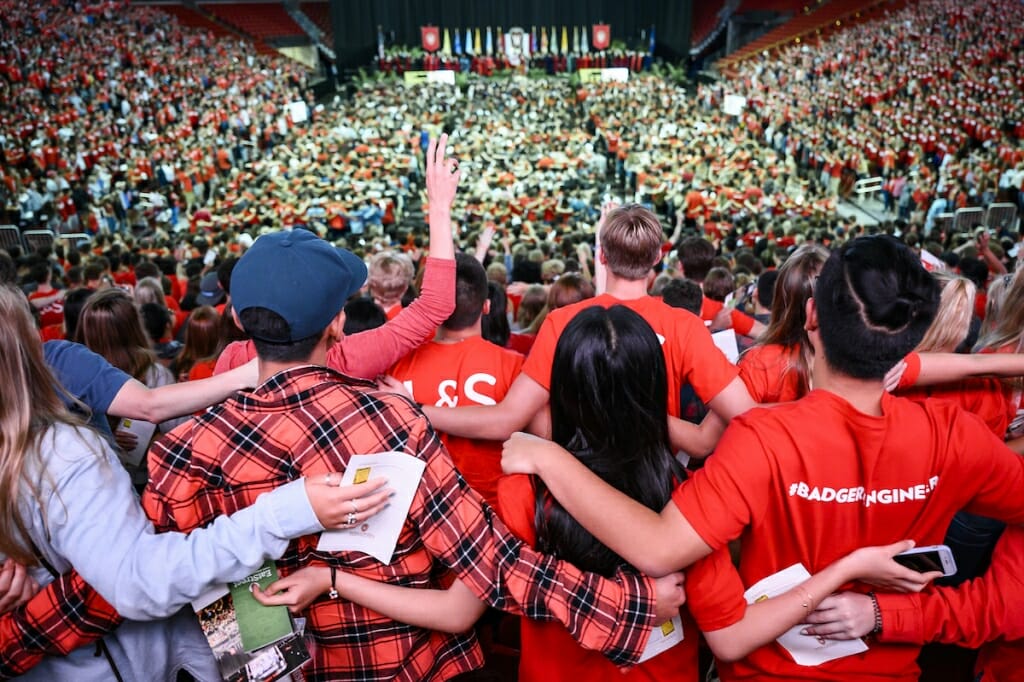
(389, 276)
(952, 322)
(631, 239)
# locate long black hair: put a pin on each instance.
(609, 407)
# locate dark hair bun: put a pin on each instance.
(890, 283)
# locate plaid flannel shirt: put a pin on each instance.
(309, 420)
(63, 616)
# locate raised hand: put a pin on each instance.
(442, 174)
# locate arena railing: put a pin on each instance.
(37, 239)
(10, 236)
(1001, 216)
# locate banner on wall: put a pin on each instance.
(430, 36)
(601, 36)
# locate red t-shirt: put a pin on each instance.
(53, 313)
(471, 372)
(714, 597)
(768, 373)
(807, 482)
(691, 356)
(743, 324)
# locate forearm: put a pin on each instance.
(148, 576)
(942, 368)
(766, 620)
(454, 610)
(441, 243)
(368, 354)
(489, 422)
(156, 405)
(63, 616)
(697, 441)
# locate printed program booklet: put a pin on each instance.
(378, 535)
(663, 638)
(805, 649)
(251, 642)
(142, 430)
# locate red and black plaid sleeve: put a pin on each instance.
(63, 616)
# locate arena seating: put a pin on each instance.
(261, 20)
(825, 18)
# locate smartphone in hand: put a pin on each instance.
(927, 559)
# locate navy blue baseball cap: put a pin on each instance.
(300, 277)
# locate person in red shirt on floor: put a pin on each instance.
(47, 299)
(630, 245)
(894, 469)
(460, 367)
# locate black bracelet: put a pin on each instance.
(878, 614)
(333, 593)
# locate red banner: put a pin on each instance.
(431, 38)
(601, 37)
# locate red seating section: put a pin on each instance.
(261, 20)
(810, 25)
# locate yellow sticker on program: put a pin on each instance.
(667, 628)
(763, 597)
(362, 476)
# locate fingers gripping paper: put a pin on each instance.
(378, 535)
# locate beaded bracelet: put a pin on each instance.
(878, 614)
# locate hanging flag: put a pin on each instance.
(554, 41)
(543, 40)
(602, 36)
(652, 40)
(565, 41)
(576, 39)
(490, 43)
(430, 37)
(446, 46)
(380, 43)
(501, 41)
(583, 40)
(533, 39)
(458, 42)
(476, 42)
(469, 41)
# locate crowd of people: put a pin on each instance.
(617, 326)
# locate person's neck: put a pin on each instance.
(625, 289)
(445, 335)
(268, 368)
(865, 395)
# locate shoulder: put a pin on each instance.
(60, 355)
(66, 448)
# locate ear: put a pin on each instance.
(487, 307)
(234, 318)
(336, 329)
(811, 323)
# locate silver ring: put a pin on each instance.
(351, 520)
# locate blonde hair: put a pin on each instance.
(994, 303)
(1008, 327)
(149, 290)
(631, 239)
(29, 406)
(952, 322)
(389, 276)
